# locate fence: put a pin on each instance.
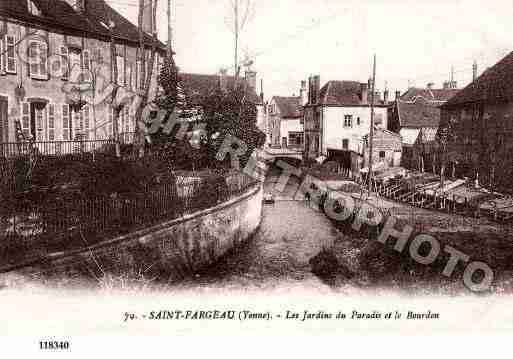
(29, 231)
(54, 148)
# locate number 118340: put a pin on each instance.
(53, 345)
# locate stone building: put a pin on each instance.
(56, 73)
(476, 125)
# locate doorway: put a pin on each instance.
(38, 120)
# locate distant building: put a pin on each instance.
(478, 124)
(415, 116)
(286, 122)
(337, 116)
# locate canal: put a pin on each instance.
(278, 255)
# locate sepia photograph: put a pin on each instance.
(225, 168)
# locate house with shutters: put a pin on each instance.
(338, 115)
(56, 69)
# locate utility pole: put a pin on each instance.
(236, 54)
(371, 133)
(169, 30)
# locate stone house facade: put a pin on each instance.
(476, 125)
(56, 73)
(337, 116)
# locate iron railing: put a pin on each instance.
(29, 231)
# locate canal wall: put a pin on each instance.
(170, 250)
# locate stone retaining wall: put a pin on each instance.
(172, 249)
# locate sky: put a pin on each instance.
(415, 42)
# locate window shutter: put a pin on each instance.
(11, 61)
(64, 63)
(51, 122)
(86, 122)
(111, 119)
(25, 120)
(2, 56)
(65, 123)
(120, 60)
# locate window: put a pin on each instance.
(86, 61)
(65, 123)
(348, 121)
(25, 120)
(86, 118)
(139, 78)
(129, 76)
(120, 61)
(75, 64)
(345, 144)
(40, 123)
(11, 63)
(111, 120)
(2, 56)
(382, 154)
(38, 56)
(51, 122)
(64, 63)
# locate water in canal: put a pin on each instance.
(278, 255)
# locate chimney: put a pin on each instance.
(303, 93)
(365, 93)
(474, 71)
(430, 85)
(314, 84)
(385, 96)
(250, 77)
(397, 95)
(148, 25)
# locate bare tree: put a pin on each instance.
(241, 12)
(114, 64)
(146, 68)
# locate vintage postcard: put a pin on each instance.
(220, 168)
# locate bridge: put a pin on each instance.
(286, 154)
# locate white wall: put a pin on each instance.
(333, 130)
(292, 125)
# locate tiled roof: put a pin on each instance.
(440, 95)
(197, 86)
(290, 107)
(418, 114)
(59, 14)
(345, 93)
(494, 85)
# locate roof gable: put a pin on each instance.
(289, 107)
(418, 114)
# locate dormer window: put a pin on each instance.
(33, 9)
